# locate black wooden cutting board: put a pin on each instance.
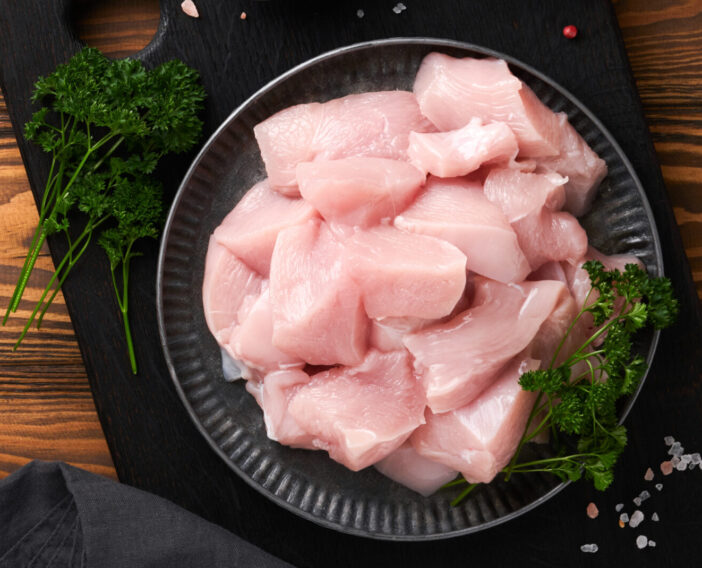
(153, 443)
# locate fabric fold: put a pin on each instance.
(53, 514)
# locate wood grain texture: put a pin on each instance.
(154, 444)
(46, 406)
(664, 44)
(118, 28)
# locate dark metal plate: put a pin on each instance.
(309, 483)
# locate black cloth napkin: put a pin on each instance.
(52, 514)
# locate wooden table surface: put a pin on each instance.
(46, 408)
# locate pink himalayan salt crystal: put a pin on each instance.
(189, 8)
(648, 476)
(592, 511)
(667, 467)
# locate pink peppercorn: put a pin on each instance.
(570, 31)
(592, 511)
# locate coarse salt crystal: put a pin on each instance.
(666, 467)
(637, 501)
(648, 476)
(242, 16)
(189, 8)
(399, 8)
(360, 13)
(686, 458)
(691, 466)
(682, 466)
(676, 450)
(659, 486)
(624, 518)
(655, 517)
(652, 543)
(644, 495)
(619, 507)
(675, 460)
(592, 511)
(589, 547)
(668, 440)
(696, 458)
(636, 519)
(641, 541)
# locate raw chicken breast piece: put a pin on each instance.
(460, 152)
(584, 169)
(359, 191)
(520, 194)
(233, 369)
(252, 340)
(458, 359)
(361, 414)
(375, 124)
(318, 315)
(255, 388)
(251, 228)
(277, 390)
(386, 333)
(480, 438)
(414, 471)
(226, 285)
(549, 271)
(456, 210)
(452, 91)
(552, 330)
(531, 202)
(405, 274)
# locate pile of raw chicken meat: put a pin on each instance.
(408, 257)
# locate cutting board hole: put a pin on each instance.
(118, 28)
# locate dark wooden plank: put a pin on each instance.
(46, 407)
(151, 439)
(117, 28)
(664, 42)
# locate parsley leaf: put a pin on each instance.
(106, 125)
(579, 408)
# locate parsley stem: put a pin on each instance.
(464, 494)
(72, 261)
(569, 330)
(570, 458)
(36, 243)
(534, 410)
(87, 155)
(536, 431)
(24, 275)
(125, 306)
(123, 301)
(108, 153)
(48, 287)
(459, 481)
(595, 336)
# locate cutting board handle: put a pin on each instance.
(52, 22)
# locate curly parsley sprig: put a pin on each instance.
(106, 125)
(577, 398)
